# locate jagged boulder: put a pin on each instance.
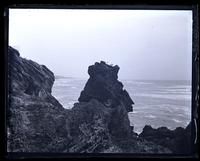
(178, 140)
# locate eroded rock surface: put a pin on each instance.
(98, 123)
(35, 118)
(178, 140)
(106, 89)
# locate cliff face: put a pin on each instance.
(27, 76)
(98, 123)
(34, 117)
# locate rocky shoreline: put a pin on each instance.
(98, 122)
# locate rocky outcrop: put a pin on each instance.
(35, 119)
(98, 123)
(106, 89)
(28, 76)
(178, 140)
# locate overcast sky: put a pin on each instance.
(145, 44)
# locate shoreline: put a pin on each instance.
(97, 123)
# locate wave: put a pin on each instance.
(151, 116)
(137, 82)
(165, 96)
(180, 86)
(156, 103)
(177, 121)
(177, 90)
(174, 92)
(133, 112)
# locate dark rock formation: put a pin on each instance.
(178, 140)
(29, 77)
(35, 119)
(105, 88)
(91, 131)
(98, 123)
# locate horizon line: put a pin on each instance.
(64, 76)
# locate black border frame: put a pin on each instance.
(195, 77)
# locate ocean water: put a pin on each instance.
(157, 103)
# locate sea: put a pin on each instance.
(156, 102)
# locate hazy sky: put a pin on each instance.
(145, 44)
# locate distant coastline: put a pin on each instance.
(69, 77)
(61, 77)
